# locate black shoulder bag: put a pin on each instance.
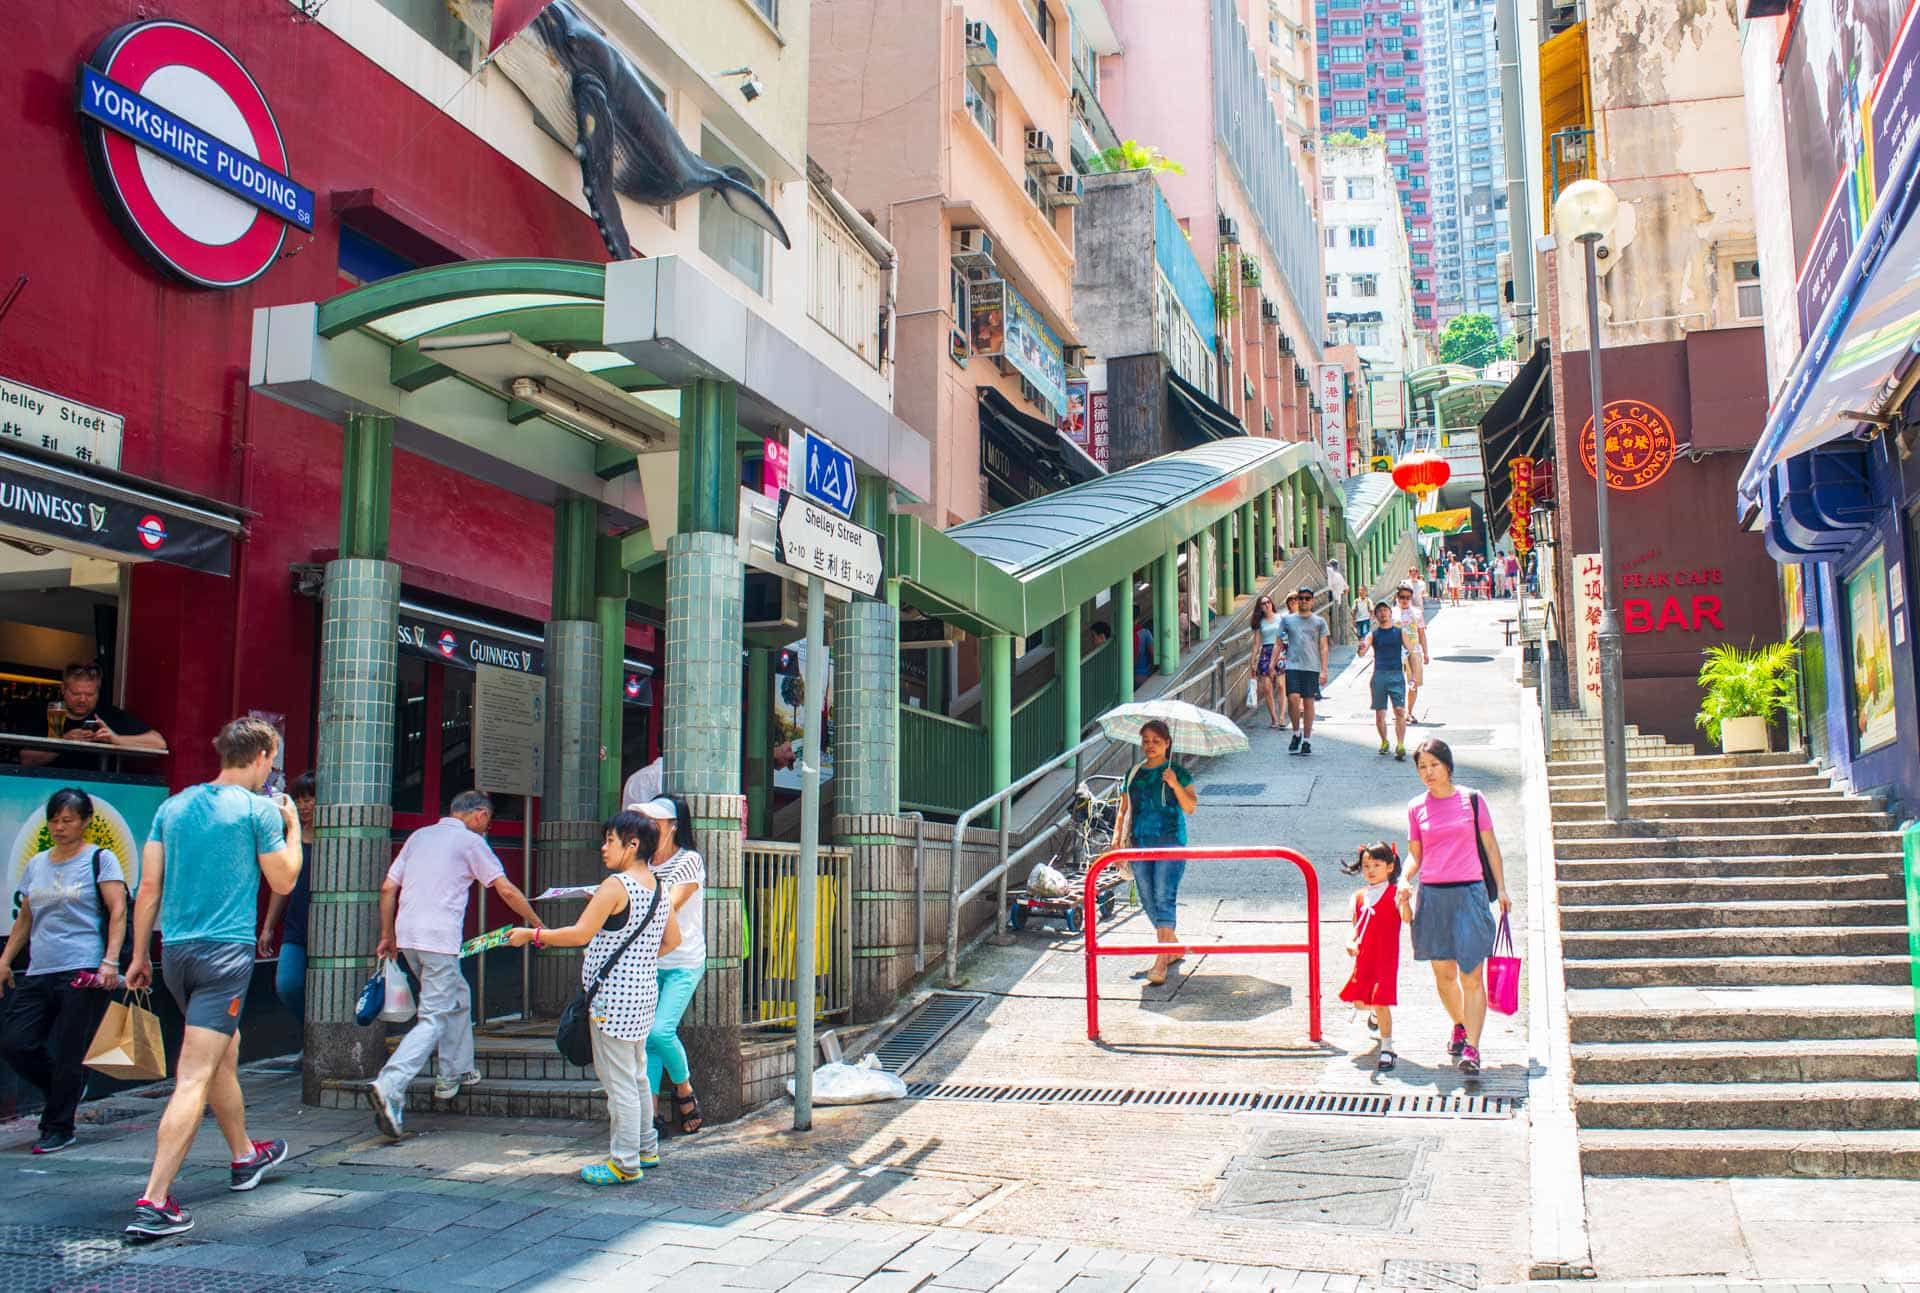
(574, 1037)
(1480, 845)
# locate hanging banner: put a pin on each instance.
(1333, 418)
(987, 309)
(1586, 619)
(1520, 504)
(1073, 423)
(1035, 352)
(1097, 427)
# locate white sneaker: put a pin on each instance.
(445, 1088)
(388, 1113)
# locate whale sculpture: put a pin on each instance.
(590, 97)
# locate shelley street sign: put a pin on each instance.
(814, 541)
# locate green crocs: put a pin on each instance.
(607, 1174)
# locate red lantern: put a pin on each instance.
(1422, 473)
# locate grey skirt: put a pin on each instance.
(1453, 922)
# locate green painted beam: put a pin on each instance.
(709, 474)
(575, 558)
(1122, 601)
(462, 279)
(1166, 611)
(1067, 652)
(999, 689)
(366, 485)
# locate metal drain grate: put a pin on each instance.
(923, 1029)
(1345, 1104)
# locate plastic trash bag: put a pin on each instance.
(1045, 882)
(862, 1083)
(400, 1006)
(1253, 692)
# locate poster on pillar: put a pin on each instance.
(1333, 418)
(122, 817)
(790, 712)
(1586, 618)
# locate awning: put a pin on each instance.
(1865, 337)
(1196, 418)
(1454, 520)
(1026, 456)
(1517, 424)
(113, 515)
(464, 640)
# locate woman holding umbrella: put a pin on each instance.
(1154, 815)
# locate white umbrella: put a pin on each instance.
(1195, 730)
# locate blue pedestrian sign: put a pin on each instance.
(824, 471)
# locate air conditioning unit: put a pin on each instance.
(972, 249)
(1067, 190)
(1040, 149)
(1286, 345)
(1269, 311)
(1229, 228)
(983, 47)
(1075, 357)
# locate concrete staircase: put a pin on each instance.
(1737, 967)
(521, 1076)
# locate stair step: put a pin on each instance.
(1682, 764)
(1726, 845)
(1756, 869)
(1642, 789)
(576, 1100)
(1836, 1106)
(1847, 1059)
(1730, 1014)
(1882, 1155)
(1649, 808)
(1725, 824)
(1734, 971)
(1785, 940)
(1684, 919)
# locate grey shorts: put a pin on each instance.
(1389, 687)
(1453, 922)
(208, 982)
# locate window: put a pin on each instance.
(1393, 44)
(1396, 148)
(1418, 184)
(1414, 105)
(1413, 80)
(1419, 260)
(1401, 174)
(1344, 26)
(1326, 190)
(1422, 285)
(1349, 108)
(1360, 188)
(1423, 312)
(1360, 235)
(1746, 289)
(1366, 285)
(1333, 285)
(957, 299)
(733, 241)
(435, 22)
(769, 9)
(1039, 15)
(1363, 334)
(1417, 208)
(1349, 81)
(1348, 55)
(1476, 98)
(1333, 231)
(981, 104)
(362, 260)
(1417, 155)
(1396, 121)
(1482, 175)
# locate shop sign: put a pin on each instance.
(773, 466)
(31, 416)
(1333, 418)
(1073, 423)
(509, 731)
(1640, 444)
(1520, 504)
(100, 520)
(1035, 351)
(1870, 654)
(1586, 620)
(423, 634)
(1097, 424)
(987, 306)
(187, 154)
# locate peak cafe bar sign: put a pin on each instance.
(188, 155)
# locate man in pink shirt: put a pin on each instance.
(423, 915)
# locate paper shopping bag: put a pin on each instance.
(128, 1044)
(1503, 973)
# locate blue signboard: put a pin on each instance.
(826, 474)
(212, 159)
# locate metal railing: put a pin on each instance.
(1544, 677)
(769, 899)
(943, 761)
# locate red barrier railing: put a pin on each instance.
(1091, 924)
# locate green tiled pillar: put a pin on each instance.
(568, 841)
(703, 722)
(1068, 648)
(1222, 598)
(866, 678)
(1249, 543)
(1264, 557)
(354, 815)
(999, 692)
(1123, 633)
(1166, 611)
(611, 612)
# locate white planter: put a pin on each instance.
(1743, 735)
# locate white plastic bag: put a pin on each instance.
(862, 1083)
(1253, 692)
(400, 1007)
(1045, 882)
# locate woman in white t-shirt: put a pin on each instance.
(684, 871)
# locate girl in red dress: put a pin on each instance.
(1375, 945)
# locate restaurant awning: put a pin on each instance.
(114, 515)
(1517, 424)
(1196, 418)
(1025, 456)
(1864, 339)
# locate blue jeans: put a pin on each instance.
(290, 979)
(665, 1054)
(1158, 884)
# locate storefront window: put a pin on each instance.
(735, 242)
(410, 738)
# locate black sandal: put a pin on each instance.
(688, 1107)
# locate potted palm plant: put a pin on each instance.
(1745, 690)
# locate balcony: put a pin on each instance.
(846, 285)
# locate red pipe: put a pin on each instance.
(1090, 922)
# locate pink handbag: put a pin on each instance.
(1503, 973)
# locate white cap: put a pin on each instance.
(661, 809)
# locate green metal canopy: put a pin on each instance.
(1018, 570)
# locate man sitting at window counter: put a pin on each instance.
(80, 715)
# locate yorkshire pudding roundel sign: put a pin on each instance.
(1640, 444)
(187, 154)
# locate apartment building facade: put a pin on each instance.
(1465, 145)
(1370, 279)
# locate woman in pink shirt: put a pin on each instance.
(1444, 894)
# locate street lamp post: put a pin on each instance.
(1585, 212)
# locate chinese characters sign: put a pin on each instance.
(1586, 620)
(31, 416)
(815, 541)
(1520, 504)
(1640, 444)
(1333, 418)
(1097, 421)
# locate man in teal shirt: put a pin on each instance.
(199, 874)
